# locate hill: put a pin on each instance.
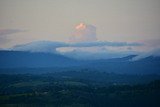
(48, 62)
(19, 59)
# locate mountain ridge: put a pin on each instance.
(20, 59)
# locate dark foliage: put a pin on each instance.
(79, 89)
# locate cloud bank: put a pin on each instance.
(39, 46)
(4, 33)
(42, 46)
(85, 50)
(151, 47)
(104, 43)
(96, 50)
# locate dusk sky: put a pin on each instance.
(23, 21)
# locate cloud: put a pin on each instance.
(104, 43)
(151, 47)
(154, 53)
(84, 33)
(39, 46)
(4, 33)
(85, 50)
(94, 53)
(154, 43)
(49, 46)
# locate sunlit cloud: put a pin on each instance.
(81, 26)
(84, 33)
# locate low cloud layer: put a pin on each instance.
(92, 53)
(104, 43)
(39, 46)
(97, 49)
(4, 33)
(151, 47)
(84, 33)
(85, 50)
(43, 46)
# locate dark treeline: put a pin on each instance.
(79, 89)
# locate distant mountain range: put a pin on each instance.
(16, 59)
(19, 59)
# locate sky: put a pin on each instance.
(23, 21)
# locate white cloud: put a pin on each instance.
(92, 53)
(150, 48)
(87, 50)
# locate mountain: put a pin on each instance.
(148, 65)
(16, 59)
(19, 59)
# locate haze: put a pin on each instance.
(55, 20)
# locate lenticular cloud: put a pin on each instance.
(84, 33)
